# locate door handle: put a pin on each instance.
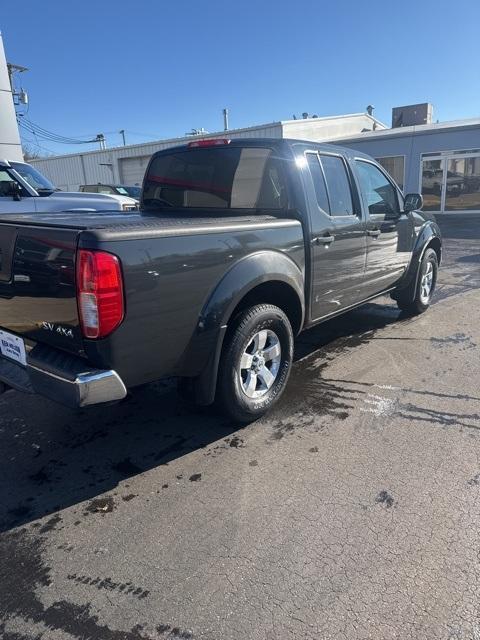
(327, 239)
(374, 233)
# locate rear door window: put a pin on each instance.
(318, 181)
(338, 185)
(216, 177)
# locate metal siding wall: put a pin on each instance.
(66, 172)
(133, 169)
(66, 175)
(413, 145)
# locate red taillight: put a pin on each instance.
(219, 142)
(99, 293)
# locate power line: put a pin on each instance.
(45, 134)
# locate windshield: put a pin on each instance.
(220, 178)
(33, 177)
(133, 192)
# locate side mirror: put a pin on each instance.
(412, 202)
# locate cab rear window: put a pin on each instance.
(219, 178)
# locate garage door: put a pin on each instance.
(132, 170)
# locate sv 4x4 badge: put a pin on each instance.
(56, 328)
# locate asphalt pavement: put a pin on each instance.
(350, 512)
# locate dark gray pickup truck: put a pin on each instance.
(239, 245)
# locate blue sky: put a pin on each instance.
(157, 69)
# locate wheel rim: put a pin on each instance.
(426, 284)
(260, 363)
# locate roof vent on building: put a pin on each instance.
(412, 114)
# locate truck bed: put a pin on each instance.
(170, 265)
(114, 225)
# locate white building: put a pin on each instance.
(126, 165)
(10, 147)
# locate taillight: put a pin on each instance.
(99, 293)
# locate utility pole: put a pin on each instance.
(225, 119)
(19, 97)
(122, 133)
(101, 140)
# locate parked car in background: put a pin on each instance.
(239, 245)
(23, 189)
(113, 190)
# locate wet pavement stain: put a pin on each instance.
(126, 468)
(91, 437)
(175, 448)
(236, 442)
(475, 481)
(41, 477)
(18, 514)
(108, 584)
(23, 574)
(253, 463)
(385, 498)
(174, 633)
(281, 429)
(51, 524)
(100, 505)
(314, 350)
(454, 339)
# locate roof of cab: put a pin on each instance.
(270, 142)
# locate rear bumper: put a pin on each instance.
(68, 385)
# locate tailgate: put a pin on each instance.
(37, 285)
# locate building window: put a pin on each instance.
(451, 182)
(463, 184)
(432, 180)
(395, 166)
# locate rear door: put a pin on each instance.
(390, 232)
(338, 236)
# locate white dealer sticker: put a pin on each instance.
(12, 347)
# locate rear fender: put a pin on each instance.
(249, 272)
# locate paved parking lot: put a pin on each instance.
(351, 512)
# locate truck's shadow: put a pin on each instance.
(53, 457)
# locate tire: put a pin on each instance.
(261, 338)
(417, 298)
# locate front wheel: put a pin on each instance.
(418, 300)
(255, 363)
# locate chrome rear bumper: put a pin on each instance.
(70, 387)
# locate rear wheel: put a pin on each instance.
(255, 362)
(417, 298)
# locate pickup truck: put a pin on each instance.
(23, 189)
(115, 190)
(239, 245)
